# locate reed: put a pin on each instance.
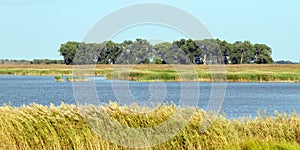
(63, 127)
(234, 73)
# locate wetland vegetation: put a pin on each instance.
(63, 127)
(234, 73)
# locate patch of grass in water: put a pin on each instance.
(58, 79)
(78, 79)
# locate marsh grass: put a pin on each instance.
(63, 127)
(58, 79)
(234, 73)
(77, 79)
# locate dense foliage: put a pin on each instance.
(178, 52)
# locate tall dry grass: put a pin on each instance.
(234, 73)
(63, 127)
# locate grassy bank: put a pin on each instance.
(39, 127)
(234, 73)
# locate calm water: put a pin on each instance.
(241, 99)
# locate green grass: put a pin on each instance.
(77, 79)
(63, 127)
(36, 72)
(58, 79)
(234, 73)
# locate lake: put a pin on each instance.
(241, 99)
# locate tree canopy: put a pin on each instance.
(178, 52)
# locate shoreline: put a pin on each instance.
(166, 73)
(200, 81)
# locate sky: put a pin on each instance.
(35, 29)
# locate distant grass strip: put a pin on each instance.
(150, 73)
(62, 127)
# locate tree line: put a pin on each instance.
(180, 51)
(26, 62)
(285, 62)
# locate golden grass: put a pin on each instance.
(63, 127)
(234, 73)
(230, 68)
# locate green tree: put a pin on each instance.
(136, 52)
(176, 54)
(87, 53)
(194, 51)
(242, 52)
(226, 48)
(209, 48)
(68, 51)
(262, 54)
(109, 52)
(207, 51)
(160, 52)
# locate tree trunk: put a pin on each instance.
(204, 59)
(242, 57)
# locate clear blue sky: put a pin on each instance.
(35, 28)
